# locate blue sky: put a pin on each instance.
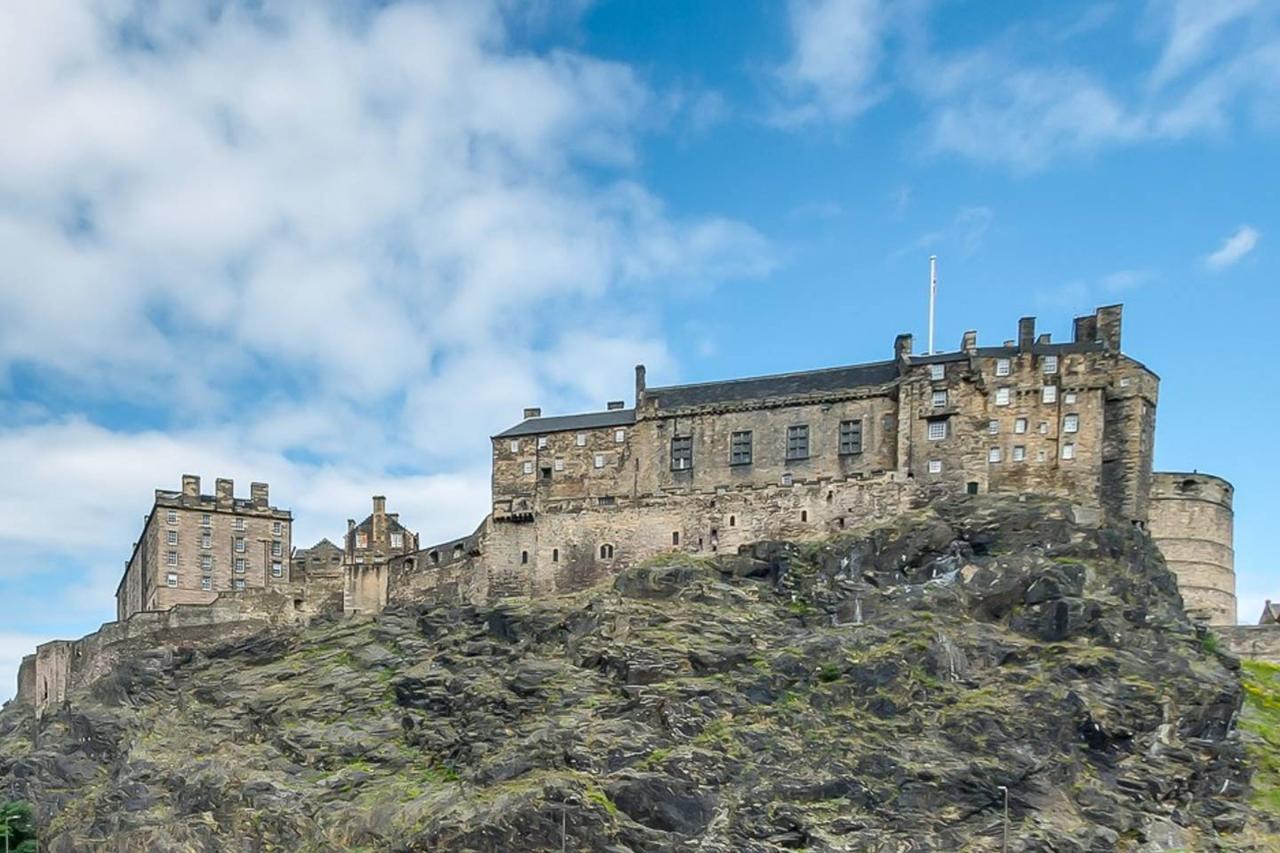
(335, 252)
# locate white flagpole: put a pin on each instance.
(933, 295)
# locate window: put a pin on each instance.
(733, 521)
(939, 399)
(172, 516)
(1068, 451)
(937, 430)
(937, 372)
(1019, 453)
(546, 472)
(1002, 367)
(785, 479)
(1020, 426)
(276, 528)
(1049, 364)
(171, 558)
(994, 455)
(619, 436)
(605, 500)
(240, 565)
(1069, 397)
(606, 552)
(681, 452)
(555, 555)
(173, 537)
(528, 467)
(598, 460)
(277, 570)
(277, 549)
(740, 447)
(515, 445)
(524, 557)
(542, 441)
(993, 427)
(804, 515)
(1043, 427)
(675, 537)
(206, 562)
(171, 579)
(206, 583)
(850, 437)
(397, 540)
(1040, 456)
(206, 520)
(798, 442)
(1002, 396)
(238, 524)
(238, 583)
(206, 541)
(971, 487)
(1071, 423)
(1049, 394)
(935, 466)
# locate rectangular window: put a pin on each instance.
(935, 466)
(580, 439)
(1002, 367)
(1020, 426)
(362, 539)
(172, 516)
(277, 528)
(206, 562)
(1040, 456)
(240, 565)
(1049, 394)
(1043, 428)
(528, 467)
(515, 445)
(277, 549)
(798, 441)
(619, 436)
(1068, 451)
(1069, 397)
(937, 372)
(238, 583)
(171, 579)
(206, 520)
(277, 570)
(937, 430)
(206, 583)
(599, 460)
(681, 452)
(172, 537)
(1002, 396)
(993, 427)
(740, 448)
(1071, 423)
(542, 441)
(850, 437)
(238, 524)
(1049, 364)
(1019, 453)
(994, 454)
(939, 399)
(239, 544)
(397, 540)
(206, 540)
(171, 558)
(559, 464)
(546, 472)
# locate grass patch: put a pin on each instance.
(1261, 717)
(1209, 642)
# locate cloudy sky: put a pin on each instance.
(335, 247)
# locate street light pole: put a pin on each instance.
(1005, 789)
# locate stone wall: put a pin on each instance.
(1191, 520)
(1252, 642)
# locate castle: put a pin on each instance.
(698, 469)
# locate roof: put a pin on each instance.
(393, 524)
(566, 423)
(322, 545)
(777, 385)
(1270, 614)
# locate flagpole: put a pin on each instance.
(933, 295)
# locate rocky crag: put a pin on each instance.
(877, 691)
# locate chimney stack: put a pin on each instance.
(190, 486)
(1043, 339)
(258, 493)
(1026, 333)
(1108, 319)
(532, 412)
(225, 490)
(902, 347)
(615, 405)
(640, 375)
(969, 343)
(1085, 329)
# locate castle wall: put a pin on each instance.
(1252, 642)
(1191, 520)
(365, 587)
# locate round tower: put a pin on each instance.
(1191, 521)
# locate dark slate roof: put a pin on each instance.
(323, 545)
(393, 525)
(777, 385)
(566, 423)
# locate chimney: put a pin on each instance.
(190, 486)
(379, 518)
(1085, 329)
(1008, 344)
(1108, 318)
(225, 490)
(969, 343)
(532, 412)
(1026, 333)
(1043, 339)
(351, 535)
(379, 505)
(902, 347)
(258, 494)
(640, 373)
(615, 405)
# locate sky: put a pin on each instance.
(334, 247)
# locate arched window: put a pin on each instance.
(457, 551)
(733, 521)
(524, 557)
(804, 515)
(434, 557)
(555, 555)
(606, 552)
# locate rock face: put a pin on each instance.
(875, 692)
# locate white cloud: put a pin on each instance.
(836, 52)
(1233, 248)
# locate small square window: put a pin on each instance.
(1071, 423)
(515, 445)
(1069, 397)
(171, 579)
(580, 439)
(1019, 453)
(238, 583)
(993, 427)
(542, 442)
(1124, 383)
(599, 460)
(935, 466)
(206, 583)
(1040, 456)
(171, 558)
(206, 520)
(740, 447)
(1002, 396)
(172, 537)
(559, 464)
(1049, 364)
(1002, 367)
(619, 436)
(1068, 451)
(939, 399)
(206, 562)
(206, 541)
(1043, 427)
(277, 570)
(1020, 426)
(850, 437)
(528, 467)
(798, 442)
(994, 455)
(786, 479)
(681, 452)
(172, 516)
(239, 543)
(937, 372)
(1049, 394)
(937, 430)
(240, 565)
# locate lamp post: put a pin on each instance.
(1005, 789)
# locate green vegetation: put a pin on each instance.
(17, 827)
(1209, 642)
(1262, 718)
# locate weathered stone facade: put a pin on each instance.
(195, 546)
(1192, 521)
(367, 548)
